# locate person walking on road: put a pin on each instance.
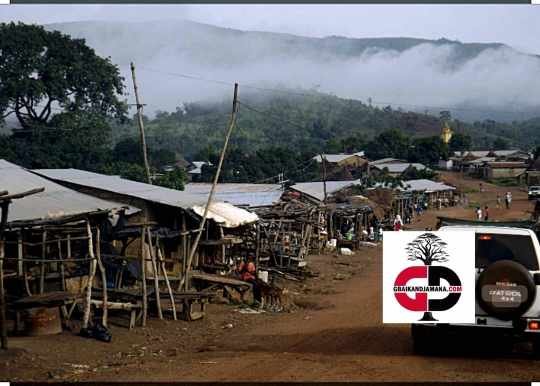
(508, 199)
(398, 224)
(498, 201)
(478, 213)
(486, 213)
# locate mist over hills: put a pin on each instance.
(478, 80)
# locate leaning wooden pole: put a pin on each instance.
(91, 274)
(141, 124)
(103, 272)
(166, 277)
(156, 273)
(213, 189)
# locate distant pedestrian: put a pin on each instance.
(481, 187)
(498, 200)
(486, 213)
(478, 213)
(398, 223)
(508, 200)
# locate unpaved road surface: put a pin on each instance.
(336, 334)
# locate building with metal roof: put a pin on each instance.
(240, 194)
(338, 158)
(316, 189)
(398, 168)
(55, 202)
(156, 200)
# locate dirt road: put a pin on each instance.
(337, 334)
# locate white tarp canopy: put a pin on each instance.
(227, 215)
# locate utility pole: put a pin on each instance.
(141, 124)
(323, 166)
(212, 190)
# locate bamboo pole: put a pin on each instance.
(91, 274)
(156, 273)
(216, 178)
(143, 277)
(104, 317)
(141, 124)
(42, 267)
(166, 277)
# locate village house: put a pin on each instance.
(194, 170)
(169, 220)
(395, 169)
(493, 170)
(50, 246)
(354, 165)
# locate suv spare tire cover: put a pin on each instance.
(505, 290)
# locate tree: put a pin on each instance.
(428, 150)
(41, 71)
(390, 143)
(174, 179)
(428, 248)
(460, 142)
(500, 144)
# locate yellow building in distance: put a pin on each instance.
(446, 134)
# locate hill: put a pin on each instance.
(478, 80)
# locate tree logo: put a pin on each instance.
(428, 286)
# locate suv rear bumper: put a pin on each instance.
(521, 328)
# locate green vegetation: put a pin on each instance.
(68, 111)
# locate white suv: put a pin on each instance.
(507, 278)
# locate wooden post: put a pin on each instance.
(156, 273)
(323, 168)
(166, 277)
(143, 277)
(103, 272)
(216, 178)
(91, 274)
(141, 124)
(3, 323)
(257, 246)
(43, 257)
(62, 270)
(20, 270)
(223, 248)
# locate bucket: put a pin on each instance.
(42, 321)
(263, 275)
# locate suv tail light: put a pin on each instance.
(533, 325)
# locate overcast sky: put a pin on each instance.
(515, 25)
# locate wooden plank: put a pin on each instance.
(218, 279)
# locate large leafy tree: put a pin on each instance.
(43, 72)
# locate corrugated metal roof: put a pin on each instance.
(334, 158)
(484, 153)
(426, 185)
(239, 194)
(198, 167)
(115, 184)
(385, 160)
(54, 202)
(316, 189)
(399, 167)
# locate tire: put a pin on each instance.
(536, 348)
(505, 290)
(421, 339)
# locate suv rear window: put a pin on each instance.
(494, 247)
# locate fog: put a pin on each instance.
(426, 76)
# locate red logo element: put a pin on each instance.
(420, 301)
